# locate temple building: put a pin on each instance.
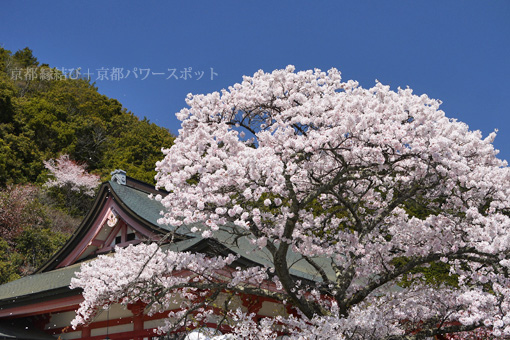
(41, 305)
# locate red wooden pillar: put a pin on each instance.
(85, 331)
(137, 310)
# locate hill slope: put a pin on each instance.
(44, 114)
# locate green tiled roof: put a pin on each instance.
(149, 209)
(140, 203)
(36, 283)
(298, 266)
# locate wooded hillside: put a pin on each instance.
(45, 114)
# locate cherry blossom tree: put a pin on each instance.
(18, 210)
(368, 187)
(68, 173)
(70, 186)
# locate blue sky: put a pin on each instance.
(455, 51)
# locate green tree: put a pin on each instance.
(10, 263)
(36, 245)
(25, 58)
(30, 231)
(138, 151)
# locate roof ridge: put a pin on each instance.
(140, 186)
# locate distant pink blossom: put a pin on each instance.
(66, 172)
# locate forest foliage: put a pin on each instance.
(45, 114)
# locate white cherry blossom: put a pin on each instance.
(368, 187)
(66, 172)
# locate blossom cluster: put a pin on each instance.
(366, 187)
(66, 172)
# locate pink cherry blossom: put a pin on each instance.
(368, 185)
(66, 172)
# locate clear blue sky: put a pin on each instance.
(455, 51)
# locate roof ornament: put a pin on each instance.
(119, 176)
(113, 218)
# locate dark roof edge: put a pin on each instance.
(45, 295)
(145, 187)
